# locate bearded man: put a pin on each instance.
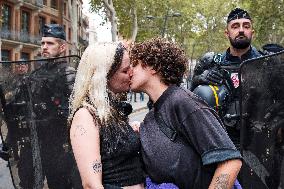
(219, 87)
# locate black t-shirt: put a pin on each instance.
(192, 164)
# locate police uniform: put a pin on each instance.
(49, 89)
(222, 92)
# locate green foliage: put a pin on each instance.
(202, 23)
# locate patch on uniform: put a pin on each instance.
(235, 79)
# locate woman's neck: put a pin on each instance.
(156, 90)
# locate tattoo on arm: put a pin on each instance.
(79, 130)
(222, 181)
(97, 166)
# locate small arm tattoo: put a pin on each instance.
(222, 181)
(79, 130)
(97, 166)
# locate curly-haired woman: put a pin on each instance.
(183, 140)
(105, 147)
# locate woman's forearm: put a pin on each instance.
(226, 174)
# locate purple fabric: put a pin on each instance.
(237, 185)
(151, 185)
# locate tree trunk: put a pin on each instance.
(282, 40)
(0, 34)
(74, 25)
(111, 14)
(0, 46)
(134, 22)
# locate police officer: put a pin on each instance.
(219, 86)
(52, 88)
(48, 89)
(22, 68)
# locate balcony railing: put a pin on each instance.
(20, 36)
(38, 3)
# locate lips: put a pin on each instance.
(241, 37)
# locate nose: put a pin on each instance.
(241, 29)
(130, 71)
(43, 45)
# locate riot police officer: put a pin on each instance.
(45, 92)
(216, 75)
(51, 94)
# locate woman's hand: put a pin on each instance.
(135, 126)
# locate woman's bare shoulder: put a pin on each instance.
(83, 115)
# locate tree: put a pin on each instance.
(1, 20)
(202, 24)
(268, 22)
(108, 7)
(72, 6)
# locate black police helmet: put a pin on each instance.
(215, 96)
(272, 47)
(238, 13)
(54, 30)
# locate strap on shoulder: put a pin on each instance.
(170, 132)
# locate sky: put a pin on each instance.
(103, 32)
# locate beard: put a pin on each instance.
(48, 55)
(240, 43)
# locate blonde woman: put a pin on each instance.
(105, 147)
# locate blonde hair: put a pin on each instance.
(90, 87)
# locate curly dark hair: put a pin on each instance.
(166, 58)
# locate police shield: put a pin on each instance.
(34, 99)
(262, 122)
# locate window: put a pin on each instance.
(6, 17)
(25, 22)
(69, 34)
(65, 9)
(53, 22)
(41, 24)
(53, 4)
(5, 55)
(25, 56)
(64, 26)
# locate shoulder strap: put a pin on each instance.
(170, 132)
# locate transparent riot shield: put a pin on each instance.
(262, 122)
(34, 99)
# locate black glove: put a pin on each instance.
(4, 154)
(209, 77)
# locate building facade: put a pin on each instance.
(22, 23)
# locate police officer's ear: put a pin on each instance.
(226, 32)
(252, 33)
(62, 47)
